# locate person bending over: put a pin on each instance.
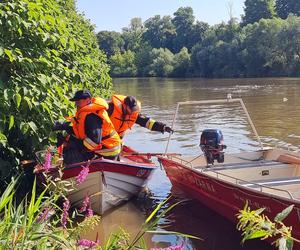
(91, 130)
(124, 112)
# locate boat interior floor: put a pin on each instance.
(255, 170)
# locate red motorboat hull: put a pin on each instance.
(226, 198)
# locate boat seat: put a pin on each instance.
(272, 182)
(261, 163)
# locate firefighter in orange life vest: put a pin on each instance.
(124, 112)
(92, 131)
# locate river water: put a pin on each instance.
(273, 105)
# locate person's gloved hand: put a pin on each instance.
(168, 129)
(58, 126)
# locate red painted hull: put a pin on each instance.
(141, 170)
(226, 198)
(131, 165)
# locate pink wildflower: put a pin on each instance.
(82, 175)
(88, 243)
(47, 163)
(87, 207)
(65, 214)
(85, 204)
(90, 211)
(45, 215)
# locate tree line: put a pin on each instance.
(264, 43)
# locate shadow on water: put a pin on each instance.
(190, 217)
(194, 218)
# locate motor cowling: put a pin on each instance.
(212, 145)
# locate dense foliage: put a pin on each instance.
(47, 51)
(258, 9)
(263, 44)
(286, 7)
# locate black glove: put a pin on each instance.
(59, 126)
(168, 129)
(60, 139)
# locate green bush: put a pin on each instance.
(47, 51)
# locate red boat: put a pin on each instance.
(108, 183)
(268, 178)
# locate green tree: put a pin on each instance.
(259, 47)
(286, 57)
(123, 64)
(198, 33)
(219, 53)
(162, 62)
(132, 35)
(224, 59)
(136, 24)
(286, 7)
(110, 42)
(143, 60)
(183, 21)
(160, 32)
(258, 9)
(200, 60)
(47, 51)
(182, 62)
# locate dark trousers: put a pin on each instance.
(75, 152)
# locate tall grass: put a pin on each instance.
(33, 223)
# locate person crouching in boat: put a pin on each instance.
(124, 112)
(92, 132)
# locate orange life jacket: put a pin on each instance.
(119, 118)
(111, 142)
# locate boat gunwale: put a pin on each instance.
(130, 163)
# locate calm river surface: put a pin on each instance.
(273, 104)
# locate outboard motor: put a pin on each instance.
(212, 145)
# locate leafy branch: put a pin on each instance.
(254, 224)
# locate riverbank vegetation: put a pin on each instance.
(45, 220)
(37, 222)
(47, 51)
(264, 43)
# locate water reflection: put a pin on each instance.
(127, 217)
(273, 106)
(215, 232)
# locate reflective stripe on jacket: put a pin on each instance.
(119, 118)
(110, 144)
